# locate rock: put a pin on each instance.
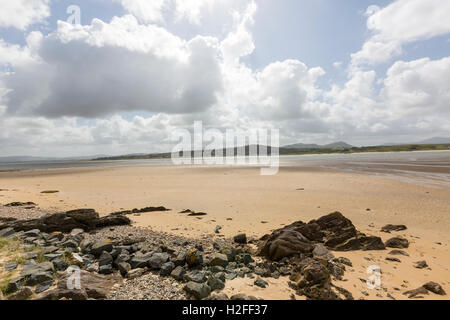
(46, 266)
(216, 269)
(344, 261)
(4, 233)
(105, 259)
(399, 253)
(105, 269)
(361, 243)
(217, 229)
(240, 238)
(20, 204)
(135, 273)
(421, 264)
(95, 286)
(11, 266)
(435, 288)
(86, 245)
(398, 243)
(334, 231)
(22, 294)
(194, 258)
(38, 278)
(198, 290)
(414, 293)
(261, 283)
(322, 253)
(124, 268)
(157, 260)
(336, 269)
(178, 273)
(44, 286)
(57, 294)
(285, 243)
(99, 246)
(86, 219)
(313, 280)
(167, 268)
(76, 232)
(15, 284)
(180, 259)
(215, 283)
(196, 276)
(242, 297)
(389, 228)
(197, 214)
(393, 259)
(219, 297)
(219, 259)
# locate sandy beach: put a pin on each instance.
(241, 200)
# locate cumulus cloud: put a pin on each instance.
(96, 70)
(20, 14)
(154, 11)
(418, 87)
(401, 22)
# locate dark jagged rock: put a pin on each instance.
(334, 231)
(398, 243)
(399, 253)
(197, 214)
(198, 290)
(435, 288)
(285, 243)
(86, 219)
(240, 238)
(313, 280)
(20, 204)
(421, 264)
(390, 227)
(416, 292)
(143, 210)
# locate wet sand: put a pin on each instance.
(241, 200)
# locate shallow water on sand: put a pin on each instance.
(417, 167)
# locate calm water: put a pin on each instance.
(427, 167)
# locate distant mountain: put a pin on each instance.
(302, 146)
(40, 159)
(339, 144)
(435, 140)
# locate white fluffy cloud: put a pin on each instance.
(418, 87)
(151, 11)
(402, 22)
(20, 14)
(96, 70)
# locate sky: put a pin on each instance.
(122, 75)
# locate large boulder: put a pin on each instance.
(198, 290)
(334, 231)
(92, 286)
(86, 219)
(398, 243)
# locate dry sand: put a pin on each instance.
(241, 200)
